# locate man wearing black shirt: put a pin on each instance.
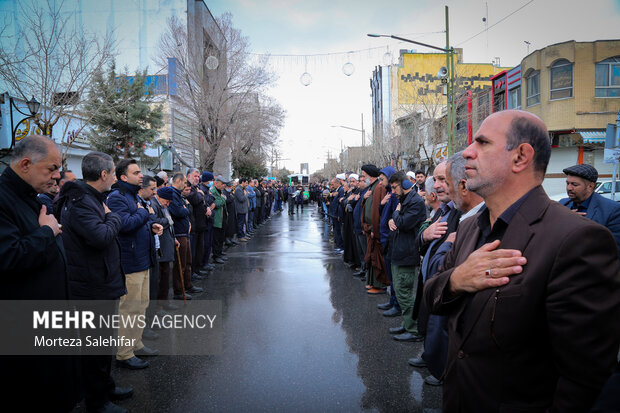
(531, 289)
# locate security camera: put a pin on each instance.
(443, 72)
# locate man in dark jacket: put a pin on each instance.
(580, 182)
(531, 289)
(93, 253)
(206, 181)
(241, 208)
(167, 244)
(199, 210)
(335, 213)
(405, 225)
(231, 222)
(388, 206)
(33, 267)
(137, 256)
(179, 210)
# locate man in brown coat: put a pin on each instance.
(376, 274)
(532, 290)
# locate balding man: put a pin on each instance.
(33, 267)
(532, 290)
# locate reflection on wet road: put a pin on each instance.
(300, 334)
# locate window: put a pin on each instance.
(561, 80)
(533, 89)
(514, 98)
(608, 78)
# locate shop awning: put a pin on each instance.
(593, 136)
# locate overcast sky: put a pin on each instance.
(332, 26)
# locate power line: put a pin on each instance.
(339, 53)
(493, 25)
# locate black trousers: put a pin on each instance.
(198, 251)
(219, 235)
(97, 380)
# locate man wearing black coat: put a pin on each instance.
(33, 267)
(167, 244)
(199, 210)
(205, 180)
(405, 225)
(94, 263)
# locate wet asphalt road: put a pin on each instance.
(300, 335)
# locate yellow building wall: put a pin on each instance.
(575, 112)
(418, 82)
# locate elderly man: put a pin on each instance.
(33, 267)
(580, 182)
(467, 204)
(167, 244)
(531, 289)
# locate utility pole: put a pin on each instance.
(363, 133)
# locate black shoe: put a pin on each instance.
(197, 277)
(108, 407)
(384, 306)
(223, 253)
(171, 307)
(120, 393)
(397, 330)
(209, 267)
(234, 242)
(392, 312)
(228, 243)
(204, 272)
(433, 381)
(194, 290)
(149, 334)
(417, 362)
(359, 273)
(180, 297)
(146, 352)
(218, 260)
(133, 363)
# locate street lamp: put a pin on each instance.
(33, 108)
(449, 51)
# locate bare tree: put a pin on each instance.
(54, 59)
(255, 131)
(213, 97)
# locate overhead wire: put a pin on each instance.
(495, 24)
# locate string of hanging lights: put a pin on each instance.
(379, 53)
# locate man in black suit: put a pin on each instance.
(531, 289)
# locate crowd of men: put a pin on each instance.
(516, 298)
(116, 237)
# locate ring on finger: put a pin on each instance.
(487, 272)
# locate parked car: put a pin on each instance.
(604, 188)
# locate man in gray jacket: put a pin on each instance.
(241, 207)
